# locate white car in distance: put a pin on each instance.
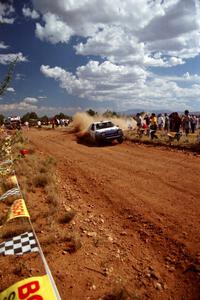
(105, 131)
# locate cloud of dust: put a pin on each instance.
(81, 121)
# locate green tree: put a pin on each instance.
(5, 83)
(91, 112)
(44, 119)
(28, 116)
(110, 114)
(1, 119)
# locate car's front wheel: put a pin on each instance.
(120, 140)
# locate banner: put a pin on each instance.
(11, 192)
(20, 244)
(11, 182)
(18, 210)
(33, 288)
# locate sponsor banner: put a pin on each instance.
(19, 244)
(18, 210)
(11, 192)
(33, 288)
(11, 182)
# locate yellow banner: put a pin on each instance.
(33, 288)
(18, 210)
(13, 180)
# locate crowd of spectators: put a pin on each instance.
(173, 122)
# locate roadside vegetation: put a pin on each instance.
(191, 143)
(35, 173)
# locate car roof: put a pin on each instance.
(106, 121)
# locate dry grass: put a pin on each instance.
(189, 143)
(120, 294)
(14, 228)
(67, 216)
(41, 180)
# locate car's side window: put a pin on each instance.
(92, 127)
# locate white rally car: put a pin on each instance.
(105, 131)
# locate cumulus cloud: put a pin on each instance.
(19, 76)
(10, 89)
(18, 106)
(129, 36)
(3, 46)
(42, 97)
(124, 31)
(55, 30)
(30, 100)
(91, 81)
(127, 87)
(10, 57)
(27, 12)
(6, 11)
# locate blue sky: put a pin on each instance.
(111, 54)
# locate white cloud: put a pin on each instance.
(3, 46)
(128, 87)
(10, 57)
(18, 106)
(97, 81)
(42, 97)
(19, 76)
(30, 100)
(10, 89)
(129, 36)
(55, 30)
(6, 10)
(125, 31)
(27, 12)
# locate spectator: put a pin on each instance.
(166, 122)
(153, 126)
(186, 122)
(39, 124)
(160, 122)
(193, 123)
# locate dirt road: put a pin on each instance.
(138, 216)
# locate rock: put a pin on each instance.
(123, 233)
(158, 286)
(93, 287)
(92, 234)
(110, 238)
(155, 275)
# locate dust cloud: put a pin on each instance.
(81, 121)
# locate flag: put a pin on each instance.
(14, 191)
(19, 245)
(18, 210)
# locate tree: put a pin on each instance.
(110, 114)
(5, 83)
(44, 119)
(28, 116)
(91, 112)
(1, 119)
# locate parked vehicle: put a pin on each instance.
(105, 131)
(12, 123)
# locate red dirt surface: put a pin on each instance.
(138, 218)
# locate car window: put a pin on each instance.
(92, 127)
(104, 125)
